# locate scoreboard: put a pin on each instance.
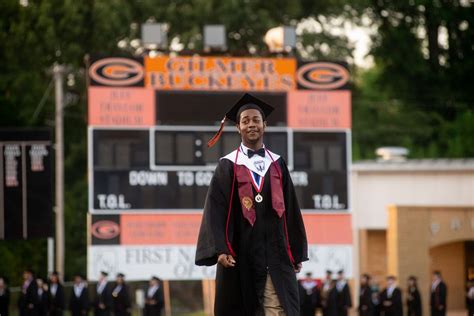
(150, 168)
(26, 191)
(169, 167)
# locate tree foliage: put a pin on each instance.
(418, 94)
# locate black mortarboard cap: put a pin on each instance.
(120, 275)
(247, 101)
(104, 273)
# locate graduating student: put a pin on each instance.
(252, 224)
(413, 298)
(43, 304)
(28, 299)
(329, 306)
(366, 306)
(310, 296)
(391, 299)
(470, 297)
(325, 289)
(344, 300)
(439, 292)
(79, 299)
(154, 300)
(4, 297)
(103, 296)
(120, 297)
(57, 301)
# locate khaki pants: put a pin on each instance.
(271, 303)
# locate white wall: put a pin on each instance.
(372, 191)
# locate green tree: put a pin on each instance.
(418, 95)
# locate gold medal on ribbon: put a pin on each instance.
(247, 202)
(258, 198)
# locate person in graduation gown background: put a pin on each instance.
(4, 297)
(79, 298)
(252, 224)
(28, 299)
(56, 295)
(344, 299)
(470, 297)
(154, 298)
(413, 297)
(121, 297)
(310, 296)
(43, 297)
(366, 306)
(439, 293)
(329, 306)
(103, 296)
(391, 299)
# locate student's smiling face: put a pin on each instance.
(251, 126)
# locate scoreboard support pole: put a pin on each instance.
(166, 292)
(208, 295)
(58, 72)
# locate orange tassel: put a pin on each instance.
(216, 137)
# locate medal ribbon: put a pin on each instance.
(258, 186)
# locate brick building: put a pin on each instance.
(411, 217)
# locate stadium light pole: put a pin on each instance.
(58, 72)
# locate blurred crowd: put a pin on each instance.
(39, 297)
(332, 296)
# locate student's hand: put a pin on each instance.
(227, 261)
(298, 267)
(387, 303)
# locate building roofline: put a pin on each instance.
(415, 165)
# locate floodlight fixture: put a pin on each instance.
(215, 37)
(155, 35)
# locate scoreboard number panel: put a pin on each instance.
(169, 168)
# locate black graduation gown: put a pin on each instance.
(260, 249)
(57, 302)
(103, 298)
(438, 300)
(469, 304)
(396, 307)
(121, 302)
(5, 302)
(308, 302)
(366, 306)
(79, 306)
(344, 300)
(43, 303)
(330, 303)
(414, 302)
(156, 308)
(28, 301)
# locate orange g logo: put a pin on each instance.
(322, 76)
(105, 229)
(116, 71)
